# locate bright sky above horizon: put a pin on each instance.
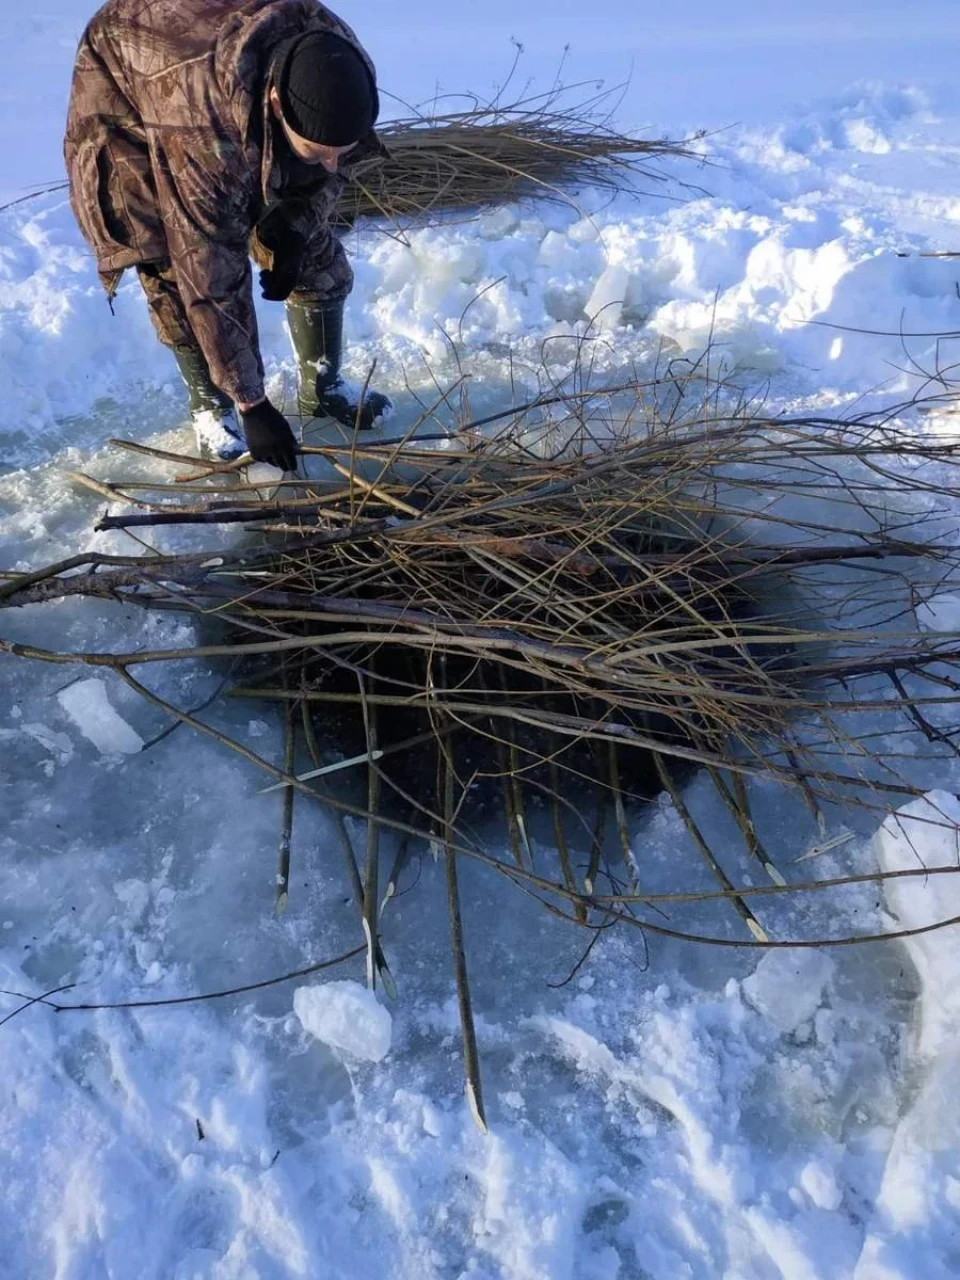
(687, 67)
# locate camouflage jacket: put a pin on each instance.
(169, 152)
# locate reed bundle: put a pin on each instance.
(555, 616)
(544, 146)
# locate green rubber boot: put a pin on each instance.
(316, 331)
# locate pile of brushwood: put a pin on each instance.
(544, 146)
(544, 619)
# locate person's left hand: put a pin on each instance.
(279, 281)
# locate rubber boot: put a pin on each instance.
(316, 331)
(217, 430)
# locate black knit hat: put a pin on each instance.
(327, 93)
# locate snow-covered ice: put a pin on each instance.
(925, 834)
(347, 1016)
(914, 1228)
(670, 1113)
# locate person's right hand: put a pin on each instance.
(279, 281)
(268, 436)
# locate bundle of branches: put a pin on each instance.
(486, 630)
(543, 146)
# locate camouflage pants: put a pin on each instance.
(325, 276)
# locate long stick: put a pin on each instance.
(346, 848)
(505, 778)
(599, 827)
(737, 802)
(471, 1056)
(749, 919)
(515, 806)
(225, 515)
(560, 835)
(381, 753)
(620, 812)
(371, 877)
(174, 1001)
(399, 864)
(108, 491)
(21, 581)
(286, 824)
(750, 832)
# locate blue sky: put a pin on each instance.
(699, 63)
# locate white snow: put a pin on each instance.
(218, 434)
(347, 1016)
(673, 1112)
(88, 706)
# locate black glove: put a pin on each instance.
(269, 437)
(279, 281)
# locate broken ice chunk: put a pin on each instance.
(605, 307)
(345, 1016)
(58, 744)
(787, 986)
(820, 1184)
(88, 706)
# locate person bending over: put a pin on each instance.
(201, 133)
